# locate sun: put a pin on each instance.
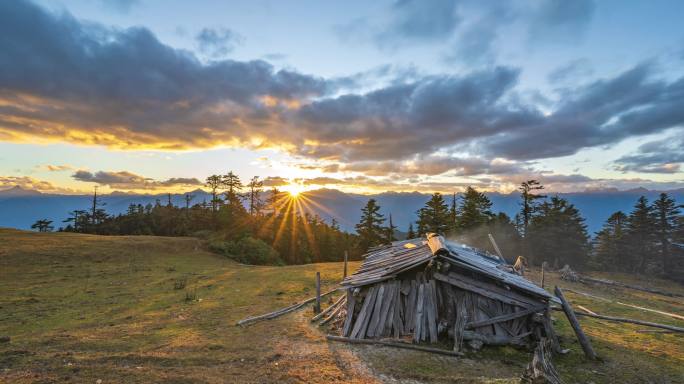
(294, 189)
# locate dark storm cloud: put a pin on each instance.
(402, 120)
(64, 80)
(603, 112)
(100, 80)
(129, 180)
(217, 42)
(660, 156)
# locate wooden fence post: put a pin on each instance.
(346, 257)
(583, 340)
(317, 308)
(542, 276)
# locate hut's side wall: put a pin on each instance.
(427, 308)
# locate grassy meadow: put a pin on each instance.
(137, 309)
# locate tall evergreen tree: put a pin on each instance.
(529, 204)
(666, 212)
(434, 216)
(255, 188)
(410, 234)
(453, 215)
(475, 210)
(609, 244)
(214, 182)
(641, 235)
(558, 234)
(234, 186)
(369, 228)
(391, 229)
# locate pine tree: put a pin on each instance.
(475, 210)
(558, 234)
(640, 236)
(255, 188)
(214, 182)
(234, 186)
(391, 229)
(369, 228)
(274, 201)
(529, 204)
(453, 215)
(434, 216)
(410, 234)
(666, 212)
(43, 225)
(609, 245)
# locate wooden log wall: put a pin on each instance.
(428, 307)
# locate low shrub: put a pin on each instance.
(247, 250)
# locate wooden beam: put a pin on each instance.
(673, 315)
(317, 307)
(330, 308)
(502, 318)
(496, 247)
(584, 341)
(346, 257)
(495, 339)
(351, 304)
(338, 308)
(394, 344)
(280, 312)
(630, 321)
(486, 289)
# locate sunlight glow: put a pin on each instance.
(294, 189)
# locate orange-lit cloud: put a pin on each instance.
(131, 181)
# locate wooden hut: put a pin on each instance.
(434, 290)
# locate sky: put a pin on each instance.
(154, 96)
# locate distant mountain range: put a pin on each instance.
(19, 208)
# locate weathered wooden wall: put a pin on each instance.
(429, 306)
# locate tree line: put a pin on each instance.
(242, 221)
(252, 225)
(547, 229)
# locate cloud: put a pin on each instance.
(65, 80)
(572, 71)
(601, 113)
(275, 181)
(418, 21)
(129, 180)
(121, 6)
(217, 42)
(56, 168)
(27, 182)
(560, 20)
(275, 56)
(436, 165)
(659, 156)
(83, 83)
(470, 29)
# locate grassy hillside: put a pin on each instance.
(79, 308)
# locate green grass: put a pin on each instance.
(79, 308)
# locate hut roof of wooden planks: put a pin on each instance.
(432, 288)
